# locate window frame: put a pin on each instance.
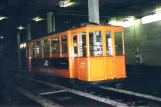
(46, 55)
(123, 48)
(33, 44)
(55, 54)
(62, 54)
(112, 42)
(100, 40)
(40, 50)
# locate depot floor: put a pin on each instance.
(10, 97)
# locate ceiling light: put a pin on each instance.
(20, 28)
(24, 45)
(37, 19)
(113, 21)
(151, 18)
(21, 46)
(124, 24)
(158, 10)
(66, 3)
(130, 18)
(3, 17)
(1, 37)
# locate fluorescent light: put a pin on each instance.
(66, 3)
(1, 37)
(20, 28)
(3, 17)
(156, 17)
(124, 24)
(158, 10)
(21, 46)
(147, 19)
(69, 4)
(118, 23)
(113, 21)
(130, 18)
(24, 45)
(129, 23)
(151, 18)
(37, 19)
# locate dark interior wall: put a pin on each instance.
(147, 37)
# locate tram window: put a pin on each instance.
(95, 42)
(75, 44)
(46, 47)
(109, 43)
(55, 45)
(64, 44)
(38, 48)
(118, 43)
(82, 44)
(33, 49)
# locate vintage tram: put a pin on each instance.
(90, 53)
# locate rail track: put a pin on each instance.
(103, 94)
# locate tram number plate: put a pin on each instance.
(82, 65)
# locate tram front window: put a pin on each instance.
(95, 42)
(119, 43)
(33, 50)
(82, 44)
(109, 43)
(75, 44)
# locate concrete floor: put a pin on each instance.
(144, 79)
(11, 97)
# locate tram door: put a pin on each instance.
(119, 54)
(75, 53)
(110, 55)
(79, 53)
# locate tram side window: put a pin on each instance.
(95, 42)
(46, 47)
(75, 44)
(64, 44)
(119, 43)
(82, 44)
(33, 50)
(109, 43)
(55, 45)
(38, 48)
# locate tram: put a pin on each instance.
(90, 53)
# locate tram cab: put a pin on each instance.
(90, 53)
(99, 53)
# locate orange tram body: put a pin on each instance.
(91, 53)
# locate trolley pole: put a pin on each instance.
(18, 49)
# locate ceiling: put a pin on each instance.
(29, 8)
(21, 11)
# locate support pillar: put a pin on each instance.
(54, 23)
(18, 49)
(93, 11)
(27, 39)
(49, 22)
(28, 32)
